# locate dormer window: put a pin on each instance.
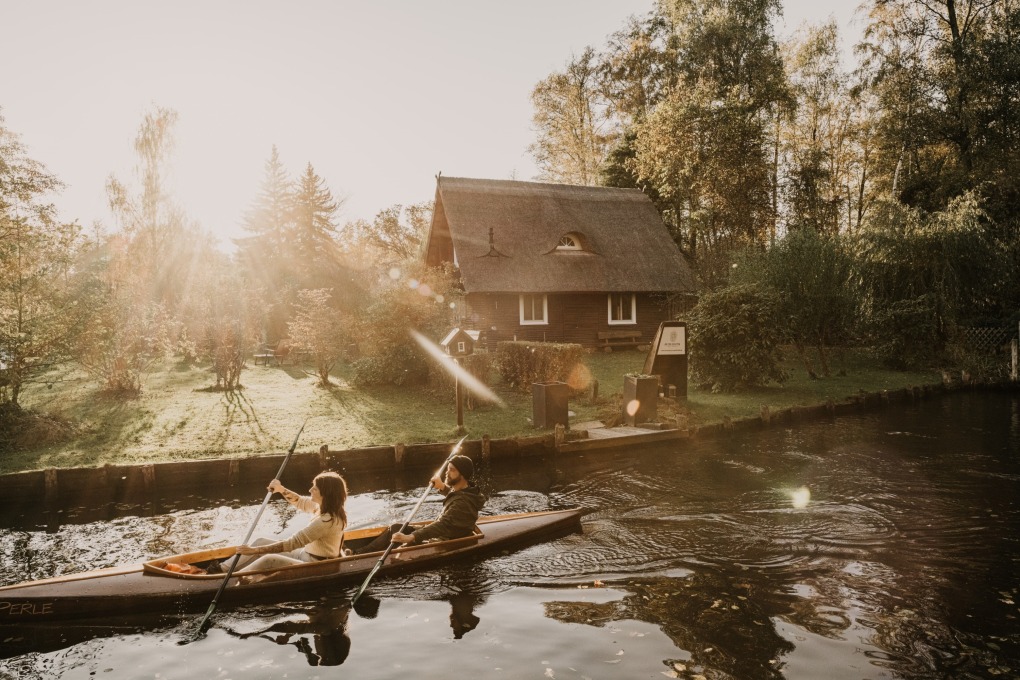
(569, 242)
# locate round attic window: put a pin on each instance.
(569, 242)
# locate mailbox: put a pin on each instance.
(459, 343)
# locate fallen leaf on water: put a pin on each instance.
(549, 673)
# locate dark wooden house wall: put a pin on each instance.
(573, 317)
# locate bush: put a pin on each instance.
(404, 366)
(735, 338)
(908, 333)
(522, 363)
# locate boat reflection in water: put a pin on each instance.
(322, 635)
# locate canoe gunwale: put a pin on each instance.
(157, 566)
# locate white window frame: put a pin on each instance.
(633, 309)
(574, 242)
(544, 321)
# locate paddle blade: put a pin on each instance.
(364, 584)
(203, 626)
(367, 607)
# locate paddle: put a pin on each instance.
(247, 537)
(386, 553)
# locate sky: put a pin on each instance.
(379, 96)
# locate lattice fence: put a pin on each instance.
(988, 340)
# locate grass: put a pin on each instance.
(177, 416)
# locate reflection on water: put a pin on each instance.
(881, 546)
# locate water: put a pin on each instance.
(879, 546)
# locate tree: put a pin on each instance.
(37, 314)
(312, 246)
(269, 219)
(707, 146)
(263, 254)
(818, 136)
(395, 235)
(141, 282)
(922, 273)
(638, 67)
(812, 274)
(320, 329)
(573, 123)
(422, 300)
(941, 119)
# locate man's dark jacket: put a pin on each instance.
(460, 512)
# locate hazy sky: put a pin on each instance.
(378, 95)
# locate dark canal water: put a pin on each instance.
(880, 546)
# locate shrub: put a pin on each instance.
(735, 337)
(404, 366)
(908, 333)
(522, 363)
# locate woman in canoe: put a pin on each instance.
(321, 539)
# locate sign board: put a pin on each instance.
(668, 356)
(672, 340)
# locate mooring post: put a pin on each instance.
(233, 471)
(1013, 366)
(324, 457)
(50, 479)
(398, 455)
(486, 448)
(149, 478)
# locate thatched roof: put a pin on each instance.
(625, 245)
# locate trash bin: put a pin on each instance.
(640, 398)
(549, 400)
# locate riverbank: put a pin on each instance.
(178, 418)
(140, 483)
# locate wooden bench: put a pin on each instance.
(607, 340)
(278, 355)
(265, 354)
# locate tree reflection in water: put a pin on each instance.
(712, 616)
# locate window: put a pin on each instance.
(569, 242)
(534, 310)
(622, 308)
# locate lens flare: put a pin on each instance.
(632, 407)
(579, 378)
(470, 382)
(801, 497)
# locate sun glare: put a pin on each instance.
(473, 384)
(801, 497)
(632, 407)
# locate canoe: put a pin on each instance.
(159, 585)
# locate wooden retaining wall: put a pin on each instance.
(92, 487)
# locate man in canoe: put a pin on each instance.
(321, 539)
(459, 515)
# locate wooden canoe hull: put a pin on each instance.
(149, 587)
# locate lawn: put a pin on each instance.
(177, 416)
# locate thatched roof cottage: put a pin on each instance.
(555, 262)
